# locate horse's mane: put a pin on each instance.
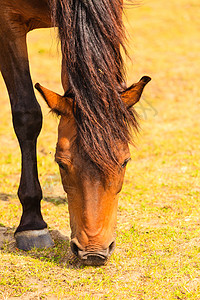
(91, 34)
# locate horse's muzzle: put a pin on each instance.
(93, 258)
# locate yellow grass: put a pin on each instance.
(158, 235)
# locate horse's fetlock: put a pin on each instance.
(31, 199)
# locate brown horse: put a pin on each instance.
(95, 116)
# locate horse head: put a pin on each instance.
(92, 194)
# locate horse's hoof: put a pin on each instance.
(26, 240)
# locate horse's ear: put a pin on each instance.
(132, 94)
(58, 104)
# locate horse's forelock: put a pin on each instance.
(91, 33)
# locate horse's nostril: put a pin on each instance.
(112, 247)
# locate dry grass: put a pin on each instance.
(158, 235)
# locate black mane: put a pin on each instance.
(91, 34)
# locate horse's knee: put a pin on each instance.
(27, 120)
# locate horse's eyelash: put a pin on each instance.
(125, 162)
(60, 165)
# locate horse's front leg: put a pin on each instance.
(27, 121)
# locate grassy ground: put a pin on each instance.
(158, 233)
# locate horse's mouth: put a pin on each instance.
(93, 258)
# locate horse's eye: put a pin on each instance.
(125, 162)
(61, 165)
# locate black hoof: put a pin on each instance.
(26, 240)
